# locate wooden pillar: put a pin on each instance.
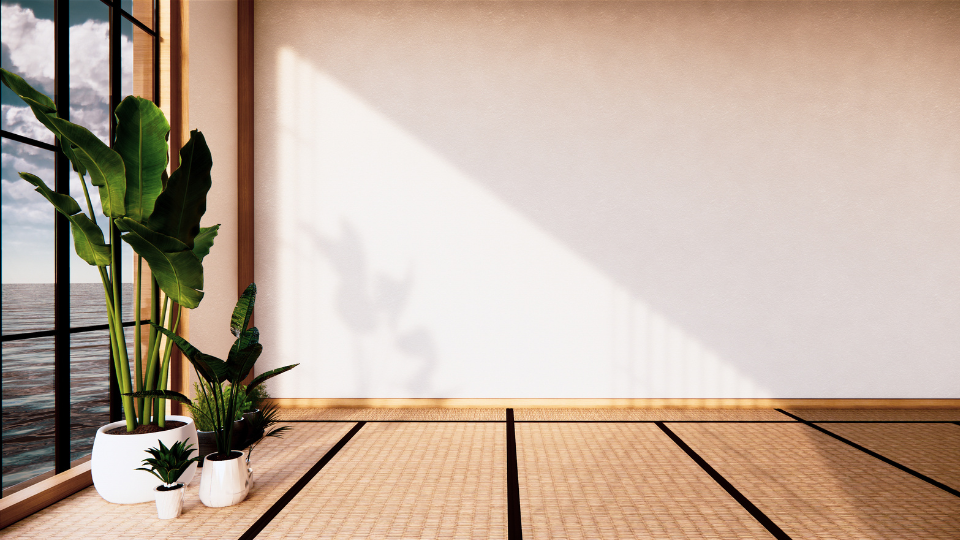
(245, 148)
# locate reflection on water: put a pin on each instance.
(28, 373)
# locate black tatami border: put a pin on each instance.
(278, 506)
(767, 523)
(867, 451)
(514, 525)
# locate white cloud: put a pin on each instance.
(30, 41)
(20, 120)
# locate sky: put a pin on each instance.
(27, 34)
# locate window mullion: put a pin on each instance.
(117, 270)
(61, 383)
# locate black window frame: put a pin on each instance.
(62, 329)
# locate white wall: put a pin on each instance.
(213, 110)
(593, 199)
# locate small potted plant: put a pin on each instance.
(168, 464)
(204, 410)
(225, 480)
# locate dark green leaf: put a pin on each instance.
(173, 265)
(64, 204)
(204, 241)
(104, 165)
(261, 378)
(211, 368)
(166, 394)
(141, 141)
(243, 310)
(247, 338)
(242, 362)
(41, 105)
(87, 237)
(183, 201)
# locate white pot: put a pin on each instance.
(225, 483)
(116, 457)
(169, 503)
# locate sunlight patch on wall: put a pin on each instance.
(393, 274)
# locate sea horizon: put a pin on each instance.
(27, 366)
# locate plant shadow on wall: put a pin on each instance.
(758, 208)
(371, 304)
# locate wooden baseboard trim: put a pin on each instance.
(42, 494)
(360, 403)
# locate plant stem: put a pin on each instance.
(124, 362)
(152, 361)
(165, 366)
(113, 338)
(136, 335)
(93, 217)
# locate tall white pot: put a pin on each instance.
(225, 483)
(116, 457)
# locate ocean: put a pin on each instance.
(27, 365)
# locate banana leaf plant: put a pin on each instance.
(159, 216)
(244, 352)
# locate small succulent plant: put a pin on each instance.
(168, 464)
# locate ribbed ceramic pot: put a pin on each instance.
(208, 439)
(169, 502)
(115, 459)
(225, 483)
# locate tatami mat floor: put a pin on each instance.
(580, 473)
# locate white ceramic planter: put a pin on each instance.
(169, 503)
(116, 457)
(225, 483)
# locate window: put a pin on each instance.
(57, 385)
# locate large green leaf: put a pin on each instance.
(104, 165)
(212, 369)
(243, 310)
(41, 105)
(174, 266)
(23, 89)
(204, 241)
(87, 237)
(141, 141)
(183, 201)
(242, 362)
(88, 241)
(243, 349)
(261, 378)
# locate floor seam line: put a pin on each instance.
(295, 489)
(758, 514)
(877, 455)
(514, 526)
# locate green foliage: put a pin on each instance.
(262, 427)
(203, 408)
(184, 199)
(142, 143)
(228, 400)
(87, 237)
(168, 464)
(158, 216)
(243, 310)
(257, 395)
